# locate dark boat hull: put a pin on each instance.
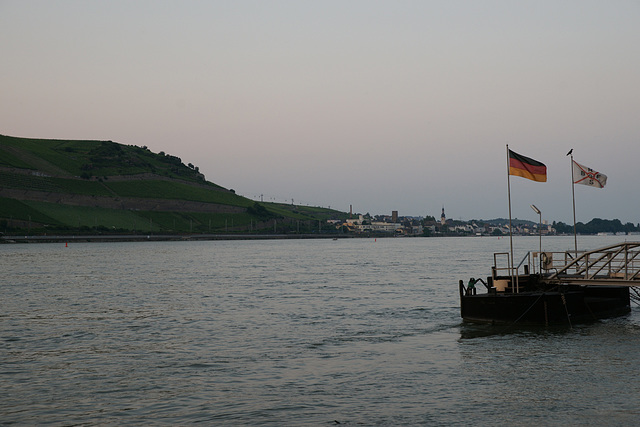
(566, 304)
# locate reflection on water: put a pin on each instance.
(291, 332)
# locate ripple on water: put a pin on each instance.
(290, 332)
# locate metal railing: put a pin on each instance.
(506, 271)
(617, 264)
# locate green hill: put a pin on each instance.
(68, 186)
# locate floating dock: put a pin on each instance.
(556, 287)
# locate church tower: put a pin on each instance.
(443, 218)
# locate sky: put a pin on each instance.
(375, 105)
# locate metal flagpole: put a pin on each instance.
(573, 193)
(510, 229)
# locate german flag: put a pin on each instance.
(526, 167)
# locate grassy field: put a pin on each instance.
(9, 160)
(79, 217)
(39, 169)
(44, 150)
(12, 209)
(85, 218)
(175, 190)
(91, 158)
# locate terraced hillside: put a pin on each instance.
(69, 186)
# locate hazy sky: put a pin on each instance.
(383, 105)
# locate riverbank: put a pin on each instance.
(164, 237)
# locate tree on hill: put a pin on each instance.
(260, 211)
(596, 225)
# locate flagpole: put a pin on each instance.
(573, 193)
(510, 228)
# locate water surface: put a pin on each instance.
(293, 332)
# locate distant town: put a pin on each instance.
(431, 226)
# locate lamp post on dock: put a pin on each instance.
(539, 212)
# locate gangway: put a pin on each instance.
(614, 265)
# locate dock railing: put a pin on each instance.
(617, 264)
(498, 270)
(499, 262)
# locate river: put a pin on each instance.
(293, 332)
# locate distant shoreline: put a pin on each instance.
(97, 238)
(166, 237)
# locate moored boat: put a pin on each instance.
(555, 287)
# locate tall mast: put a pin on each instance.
(573, 193)
(510, 228)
